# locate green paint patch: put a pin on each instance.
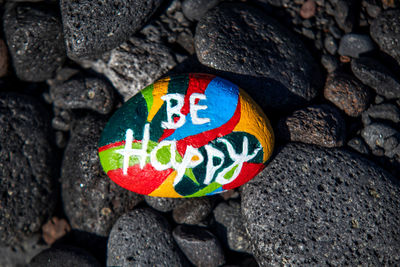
(208, 189)
(189, 173)
(229, 174)
(164, 155)
(148, 96)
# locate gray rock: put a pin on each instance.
(383, 112)
(330, 45)
(84, 92)
(230, 226)
(64, 257)
(372, 73)
(142, 238)
(353, 45)
(385, 30)
(345, 14)
(192, 211)
(381, 136)
(28, 191)
(316, 206)
(134, 65)
(359, 145)
(330, 63)
(199, 245)
(347, 93)
(35, 41)
(162, 204)
(196, 9)
(257, 53)
(321, 125)
(94, 27)
(91, 200)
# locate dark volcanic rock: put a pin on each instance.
(196, 9)
(359, 145)
(345, 14)
(162, 204)
(3, 58)
(347, 93)
(386, 111)
(385, 30)
(316, 206)
(27, 178)
(142, 238)
(380, 136)
(91, 200)
(330, 63)
(192, 211)
(84, 92)
(376, 76)
(34, 37)
(256, 52)
(64, 257)
(230, 226)
(199, 245)
(321, 125)
(353, 45)
(94, 27)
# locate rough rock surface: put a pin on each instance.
(84, 92)
(94, 27)
(91, 200)
(380, 136)
(142, 238)
(321, 125)
(192, 211)
(196, 9)
(376, 76)
(64, 257)
(134, 65)
(28, 188)
(35, 41)
(347, 93)
(162, 204)
(315, 206)
(256, 52)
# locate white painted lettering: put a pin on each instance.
(175, 110)
(211, 168)
(195, 107)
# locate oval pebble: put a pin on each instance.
(218, 135)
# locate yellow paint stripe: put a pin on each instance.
(160, 88)
(255, 122)
(166, 189)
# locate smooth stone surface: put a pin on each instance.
(372, 73)
(64, 257)
(256, 52)
(199, 245)
(94, 27)
(201, 119)
(28, 191)
(347, 93)
(142, 237)
(316, 206)
(91, 201)
(353, 45)
(380, 136)
(135, 64)
(321, 125)
(196, 9)
(192, 211)
(163, 204)
(230, 226)
(35, 41)
(384, 111)
(385, 30)
(84, 92)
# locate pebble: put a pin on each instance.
(92, 202)
(142, 238)
(199, 245)
(375, 75)
(321, 125)
(163, 204)
(202, 120)
(330, 63)
(385, 111)
(354, 45)
(196, 9)
(3, 59)
(94, 27)
(64, 256)
(380, 136)
(84, 92)
(330, 45)
(134, 65)
(347, 93)
(230, 226)
(259, 54)
(35, 41)
(385, 31)
(359, 145)
(308, 9)
(344, 13)
(318, 206)
(192, 211)
(28, 189)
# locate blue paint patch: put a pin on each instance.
(221, 101)
(216, 191)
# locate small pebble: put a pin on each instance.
(359, 145)
(330, 45)
(192, 211)
(196, 9)
(330, 63)
(308, 9)
(354, 45)
(163, 204)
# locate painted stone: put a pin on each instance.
(186, 136)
